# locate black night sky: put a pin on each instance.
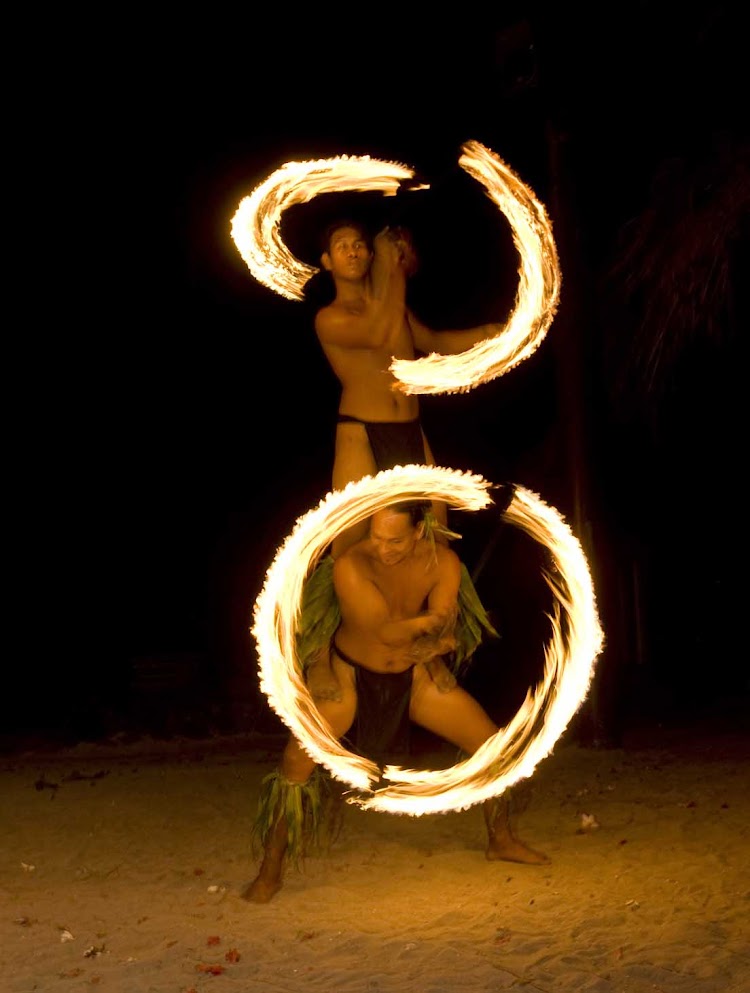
(187, 413)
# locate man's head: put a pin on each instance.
(346, 249)
(395, 530)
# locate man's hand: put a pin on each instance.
(426, 647)
(441, 622)
(407, 253)
(441, 675)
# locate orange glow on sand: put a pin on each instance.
(513, 753)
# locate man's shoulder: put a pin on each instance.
(351, 569)
(322, 314)
(354, 559)
(334, 318)
(442, 549)
(446, 556)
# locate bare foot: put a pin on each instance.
(261, 890)
(510, 849)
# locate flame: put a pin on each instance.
(256, 223)
(277, 609)
(537, 297)
(255, 230)
(576, 638)
(515, 750)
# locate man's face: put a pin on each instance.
(393, 536)
(348, 254)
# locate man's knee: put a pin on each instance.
(296, 765)
(322, 681)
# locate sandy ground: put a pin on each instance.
(122, 868)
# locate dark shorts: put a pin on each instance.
(392, 442)
(381, 727)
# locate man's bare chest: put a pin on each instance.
(405, 589)
(390, 331)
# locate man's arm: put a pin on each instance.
(449, 342)
(442, 607)
(363, 605)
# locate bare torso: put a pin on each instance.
(361, 332)
(367, 384)
(368, 394)
(395, 593)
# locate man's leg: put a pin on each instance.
(294, 776)
(440, 674)
(439, 508)
(294, 772)
(456, 716)
(321, 679)
(502, 843)
(352, 461)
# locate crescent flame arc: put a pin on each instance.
(537, 296)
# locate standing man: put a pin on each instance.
(361, 331)
(366, 326)
(398, 597)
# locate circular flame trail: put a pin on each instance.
(514, 752)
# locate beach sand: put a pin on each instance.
(123, 864)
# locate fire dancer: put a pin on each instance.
(401, 604)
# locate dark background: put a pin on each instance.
(175, 417)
